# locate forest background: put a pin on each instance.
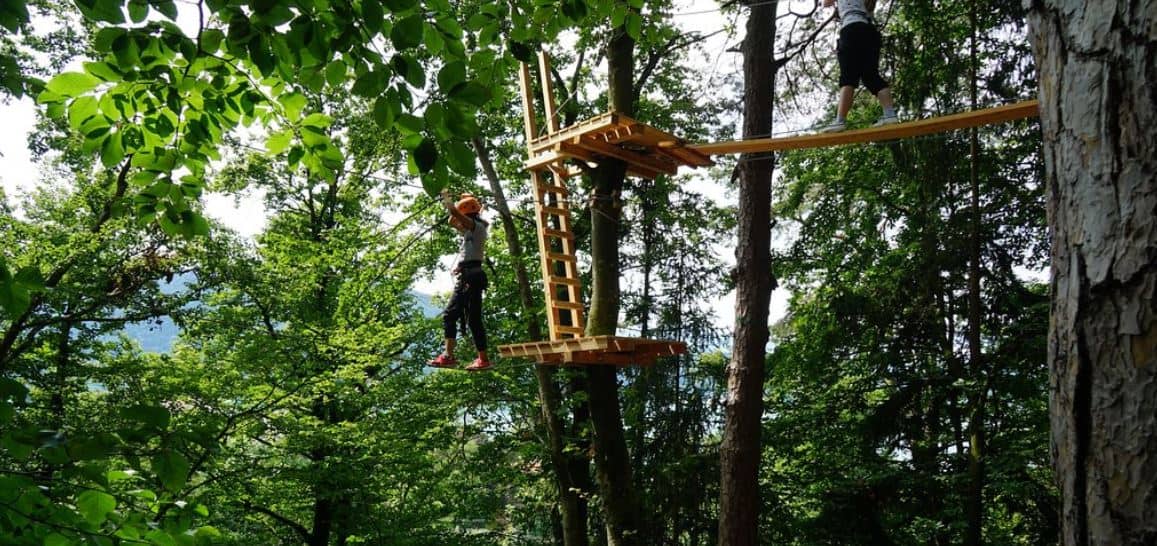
(294, 406)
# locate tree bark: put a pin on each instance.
(1097, 64)
(612, 461)
(572, 506)
(739, 498)
(974, 507)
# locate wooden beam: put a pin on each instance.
(527, 104)
(548, 93)
(975, 118)
(632, 159)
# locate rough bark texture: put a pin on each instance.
(1098, 64)
(612, 460)
(740, 451)
(974, 507)
(572, 507)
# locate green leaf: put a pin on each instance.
(425, 155)
(172, 469)
(12, 389)
(461, 158)
(372, 15)
(370, 84)
(634, 25)
(30, 277)
(112, 152)
(71, 84)
(13, 13)
(95, 505)
(155, 416)
(104, 71)
(168, 8)
(451, 75)
(319, 120)
(158, 537)
(386, 111)
(261, 55)
(102, 10)
(522, 52)
(335, 73)
(138, 10)
(279, 142)
(211, 40)
(56, 539)
(407, 33)
(409, 123)
(472, 92)
(200, 226)
(397, 6)
(293, 103)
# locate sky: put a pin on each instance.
(245, 214)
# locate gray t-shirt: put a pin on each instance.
(474, 241)
(852, 11)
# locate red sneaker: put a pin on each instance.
(443, 361)
(478, 365)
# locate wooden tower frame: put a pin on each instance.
(648, 152)
(589, 141)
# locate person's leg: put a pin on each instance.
(849, 77)
(450, 317)
(872, 79)
(847, 93)
(474, 320)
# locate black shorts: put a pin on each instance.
(859, 54)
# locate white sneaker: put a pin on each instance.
(886, 120)
(835, 127)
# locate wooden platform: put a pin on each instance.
(647, 151)
(613, 350)
(963, 120)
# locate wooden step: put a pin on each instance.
(567, 305)
(565, 281)
(559, 234)
(561, 190)
(555, 211)
(576, 330)
(561, 257)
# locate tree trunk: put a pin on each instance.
(572, 506)
(974, 507)
(1097, 64)
(612, 461)
(739, 499)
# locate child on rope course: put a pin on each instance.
(858, 52)
(466, 302)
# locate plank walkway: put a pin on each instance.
(962, 120)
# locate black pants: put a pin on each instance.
(467, 301)
(859, 54)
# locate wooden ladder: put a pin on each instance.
(556, 241)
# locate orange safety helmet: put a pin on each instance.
(468, 205)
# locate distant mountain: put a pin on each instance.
(158, 336)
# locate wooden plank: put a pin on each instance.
(560, 190)
(621, 351)
(527, 104)
(561, 257)
(555, 211)
(568, 304)
(686, 155)
(566, 281)
(596, 124)
(558, 234)
(963, 120)
(631, 158)
(548, 93)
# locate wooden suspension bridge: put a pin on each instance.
(648, 152)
